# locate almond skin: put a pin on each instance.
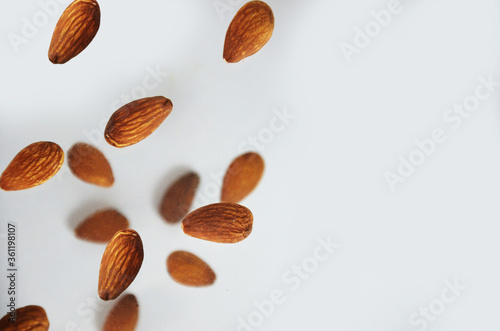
(124, 315)
(188, 269)
(120, 263)
(32, 166)
(178, 198)
(242, 177)
(74, 31)
(136, 120)
(101, 226)
(29, 318)
(250, 29)
(219, 222)
(90, 165)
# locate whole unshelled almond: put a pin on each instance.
(136, 120)
(90, 165)
(32, 318)
(250, 29)
(178, 198)
(124, 315)
(188, 269)
(32, 166)
(101, 226)
(242, 177)
(120, 263)
(219, 222)
(74, 31)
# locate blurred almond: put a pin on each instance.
(101, 226)
(178, 198)
(32, 166)
(188, 269)
(90, 165)
(32, 318)
(242, 177)
(124, 315)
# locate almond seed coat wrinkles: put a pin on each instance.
(28, 318)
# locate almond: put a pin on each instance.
(32, 166)
(188, 269)
(101, 226)
(124, 315)
(26, 318)
(219, 222)
(250, 29)
(136, 120)
(178, 198)
(242, 177)
(90, 165)
(74, 31)
(120, 263)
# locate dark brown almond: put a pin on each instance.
(188, 269)
(124, 315)
(250, 29)
(74, 31)
(178, 198)
(219, 222)
(32, 166)
(136, 120)
(90, 165)
(101, 226)
(242, 177)
(120, 264)
(29, 318)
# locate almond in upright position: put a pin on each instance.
(120, 263)
(136, 120)
(90, 165)
(188, 269)
(124, 315)
(27, 318)
(250, 29)
(178, 198)
(32, 166)
(101, 226)
(74, 31)
(242, 177)
(219, 222)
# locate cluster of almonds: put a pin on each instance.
(224, 222)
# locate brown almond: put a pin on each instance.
(136, 120)
(101, 226)
(188, 269)
(178, 198)
(250, 29)
(242, 177)
(74, 31)
(120, 263)
(90, 165)
(124, 315)
(32, 166)
(26, 318)
(219, 222)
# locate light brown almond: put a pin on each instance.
(188, 269)
(120, 264)
(136, 120)
(74, 31)
(242, 177)
(178, 198)
(219, 222)
(90, 165)
(28, 318)
(124, 315)
(250, 29)
(101, 226)
(32, 166)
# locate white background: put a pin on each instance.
(324, 172)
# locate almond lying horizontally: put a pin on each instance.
(124, 315)
(101, 226)
(188, 269)
(27, 318)
(178, 198)
(90, 165)
(242, 177)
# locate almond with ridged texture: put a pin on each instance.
(74, 31)
(219, 222)
(101, 226)
(29, 318)
(120, 264)
(188, 269)
(250, 29)
(136, 120)
(242, 176)
(178, 198)
(90, 165)
(32, 166)
(124, 315)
